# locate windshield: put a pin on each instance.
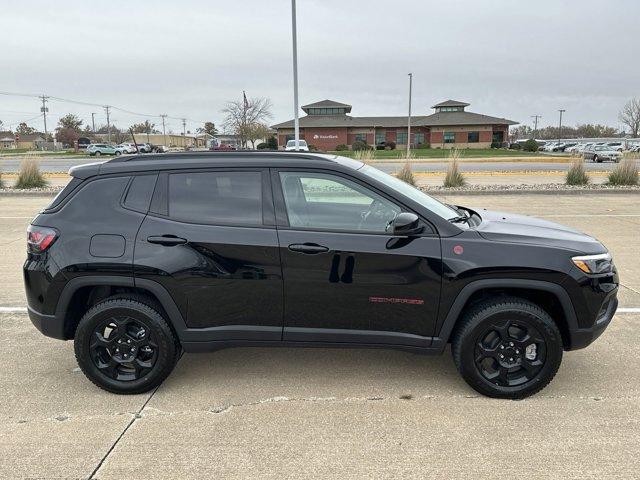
(413, 193)
(292, 143)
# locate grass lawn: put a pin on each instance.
(443, 153)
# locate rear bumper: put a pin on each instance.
(582, 337)
(48, 325)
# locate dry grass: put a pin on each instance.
(406, 174)
(364, 156)
(454, 177)
(577, 174)
(625, 173)
(30, 175)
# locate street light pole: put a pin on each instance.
(560, 124)
(93, 122)
(296, 120)
(535, 125)
(164, 134)
(44, 111)
(409, 118)
(106, 109)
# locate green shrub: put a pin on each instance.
(341, 148)
(406, 174)
(262, 146)
(577, 174)
(625, 173)
(272, 143)
(454, 177)
(360, 145)
(515, 146)
(313, 148)
(530, 145)
(30, 176)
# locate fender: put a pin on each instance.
(456, 309)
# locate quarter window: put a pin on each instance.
(227, 198)
(328, 202)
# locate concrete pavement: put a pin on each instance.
(309, 413)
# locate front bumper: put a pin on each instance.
(48, 325)
(582, 337)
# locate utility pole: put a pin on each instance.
(184, 132)
(44, 111)
(106, 109)
(164, 133)
(296, 120)
(560, 124)
(535, 125)
(409, 119)
(93, 122)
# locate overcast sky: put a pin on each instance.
(187, 58)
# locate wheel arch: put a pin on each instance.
(552, 297)
(83, 292)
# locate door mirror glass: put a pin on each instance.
(405, 224)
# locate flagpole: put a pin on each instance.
(296, 121)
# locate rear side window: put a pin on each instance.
(64, 193)
(140, 192)
(216, 197)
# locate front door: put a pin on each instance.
(211, 241)
(345, 278)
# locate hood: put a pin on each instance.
(513, 228)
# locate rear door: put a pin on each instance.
(345, 278)
(210, 240)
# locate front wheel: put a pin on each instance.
(124, 345)
(507, 348)
(97, 154)
(118, 153)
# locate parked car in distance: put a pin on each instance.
(222, 147)
(128, 147)
(300, 249)
(97, 149)
(618, 146)
(602, 153)
(302, 146)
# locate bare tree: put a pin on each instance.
(242, 116)
(630, 116)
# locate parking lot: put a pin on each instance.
(313, 413)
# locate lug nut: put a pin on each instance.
(511, 344)
(511, 359)
(501, 347)
(501, 356)
(133, 349)
(128, 341)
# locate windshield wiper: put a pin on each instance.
(460, 219)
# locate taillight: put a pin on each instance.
(39, 239)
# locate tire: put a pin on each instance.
(97, 154)
(493, 328)
(596, 159)
(136, 326)
(118, 153)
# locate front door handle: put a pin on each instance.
(308, 248)
(167, 240)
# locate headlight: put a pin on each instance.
(594, 264)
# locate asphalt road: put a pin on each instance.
(322, 413)
(63, 164)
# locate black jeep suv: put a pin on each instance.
(141, 257)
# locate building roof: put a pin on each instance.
(439, 119)
(327, 104)
(7, 136)
(451, 103)
(31, 137)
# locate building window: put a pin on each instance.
(449, 137)
(498, 137)
(401, 138)
(380, 137)
(325, 111)
(473, 137)
(450, 109)
(418, 138)
(361, 137)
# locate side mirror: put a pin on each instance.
(405, 224)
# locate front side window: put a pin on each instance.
(226, 198)
(330, 202)
(449, 137)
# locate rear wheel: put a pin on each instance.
(507, 348)
(97, 154)
(125, 346)
(596, 159)
(118, 153)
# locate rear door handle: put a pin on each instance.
(167, 240)
(308, 248)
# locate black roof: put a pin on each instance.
(187, 160)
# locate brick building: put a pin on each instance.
(328, 124)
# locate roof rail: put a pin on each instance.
(238, 153)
